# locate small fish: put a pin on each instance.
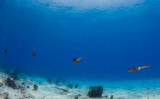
(4, 50)
(76, 60)
(137, 68)
(33, 54)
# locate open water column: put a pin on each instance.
(79, 49)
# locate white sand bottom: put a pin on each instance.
(119, 90)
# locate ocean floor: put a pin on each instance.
(33, 87)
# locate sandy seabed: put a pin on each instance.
(60, 89)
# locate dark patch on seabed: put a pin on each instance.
(35, 87)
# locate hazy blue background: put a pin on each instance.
(111, 38)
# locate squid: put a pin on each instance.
(137, 68)
(76, 60)
(4, 50)
(33, 54)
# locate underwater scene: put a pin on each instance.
(79, 49)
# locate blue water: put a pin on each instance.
(112, 36)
